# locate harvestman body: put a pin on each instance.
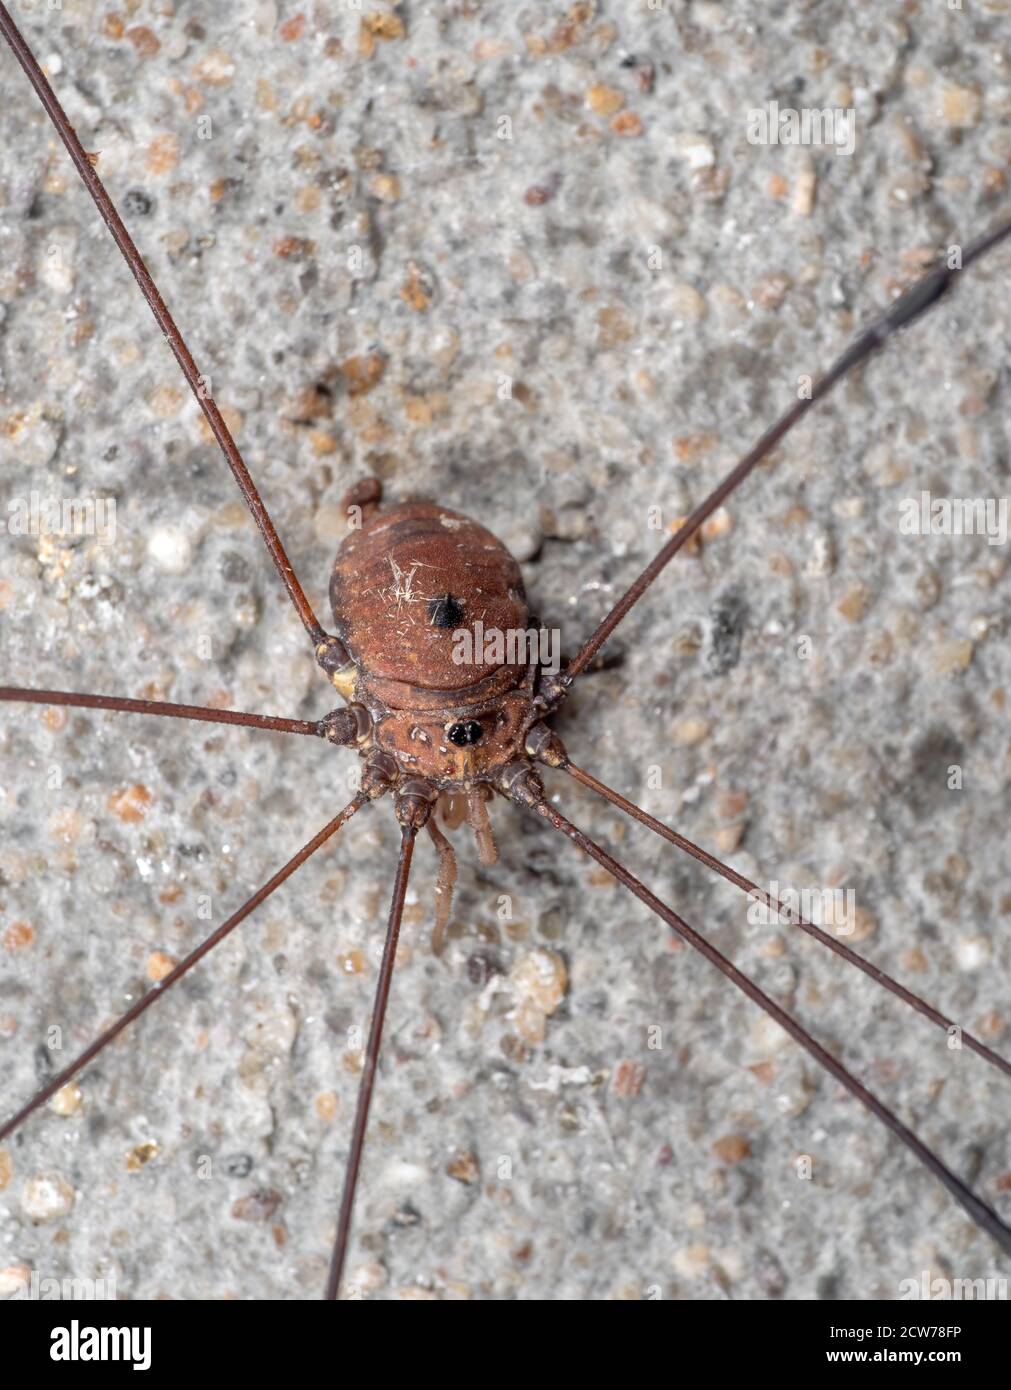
(435, 733)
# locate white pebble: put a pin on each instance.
(47, 1197)
(971, 952)
(56, 260)
(170, 549)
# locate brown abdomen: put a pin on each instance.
(412, 577)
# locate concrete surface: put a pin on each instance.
(588, 298)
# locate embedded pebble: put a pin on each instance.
(961, 107)
(67, 1100)
(46, 1197)
(14, 1279)
(170, 549)
(539, 981)
(972, 952)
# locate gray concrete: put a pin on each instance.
(635, 381)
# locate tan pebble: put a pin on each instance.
(130, 804)
(232, 418)
(386, 187)
(216, 69)
(690, 731)
(322, 443)
(464, 1167)
(65, 825)
(855, 604)
(685, 302)
(688, 448)
(47, 1197)
(600, 878)
(522, 269)
(143, 40)
(362, 373)
(486, 49)
(765, 1072)
(292, 29)
(772, 289)
(15, 1280)
(540, 978)
(414, 291)
(603, 100)
(804, 189)
(614, 327)
(6, 1168)
(728, 837)
(416, 1294)
(325, 1105)
(627, 124)
(165, 401)
(692, 1261)
(776, 186)
(768, 1036)
(384, 26)
(721, 523)
(690, 546)
(257, 1206)
(531, 1025)
(627, 1079)
(307, 198)
(732, 1148)
(160, 964)
(293, 248)
(864, 925)
(162, 153)
(17, 937)
(991, 1026)
(67, 1100)
(953, 656)
(141, 1155)
(54, 717)
(351, 962)
(914, 960)
(732, 804)
(880, 649)
(960, 107)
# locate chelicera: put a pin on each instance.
(441, 737)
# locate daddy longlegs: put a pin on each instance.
(435, 739)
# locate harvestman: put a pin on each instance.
(427, 731)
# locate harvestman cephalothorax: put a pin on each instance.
(432, 736)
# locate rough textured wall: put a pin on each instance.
(525, 260)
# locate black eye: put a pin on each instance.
(463, 734)
(445, 612)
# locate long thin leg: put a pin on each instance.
(826, 939)
(170, 711)
(983, 1215)
(165, 322)
(908, 307)
(371, 1058)
(157, 991)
